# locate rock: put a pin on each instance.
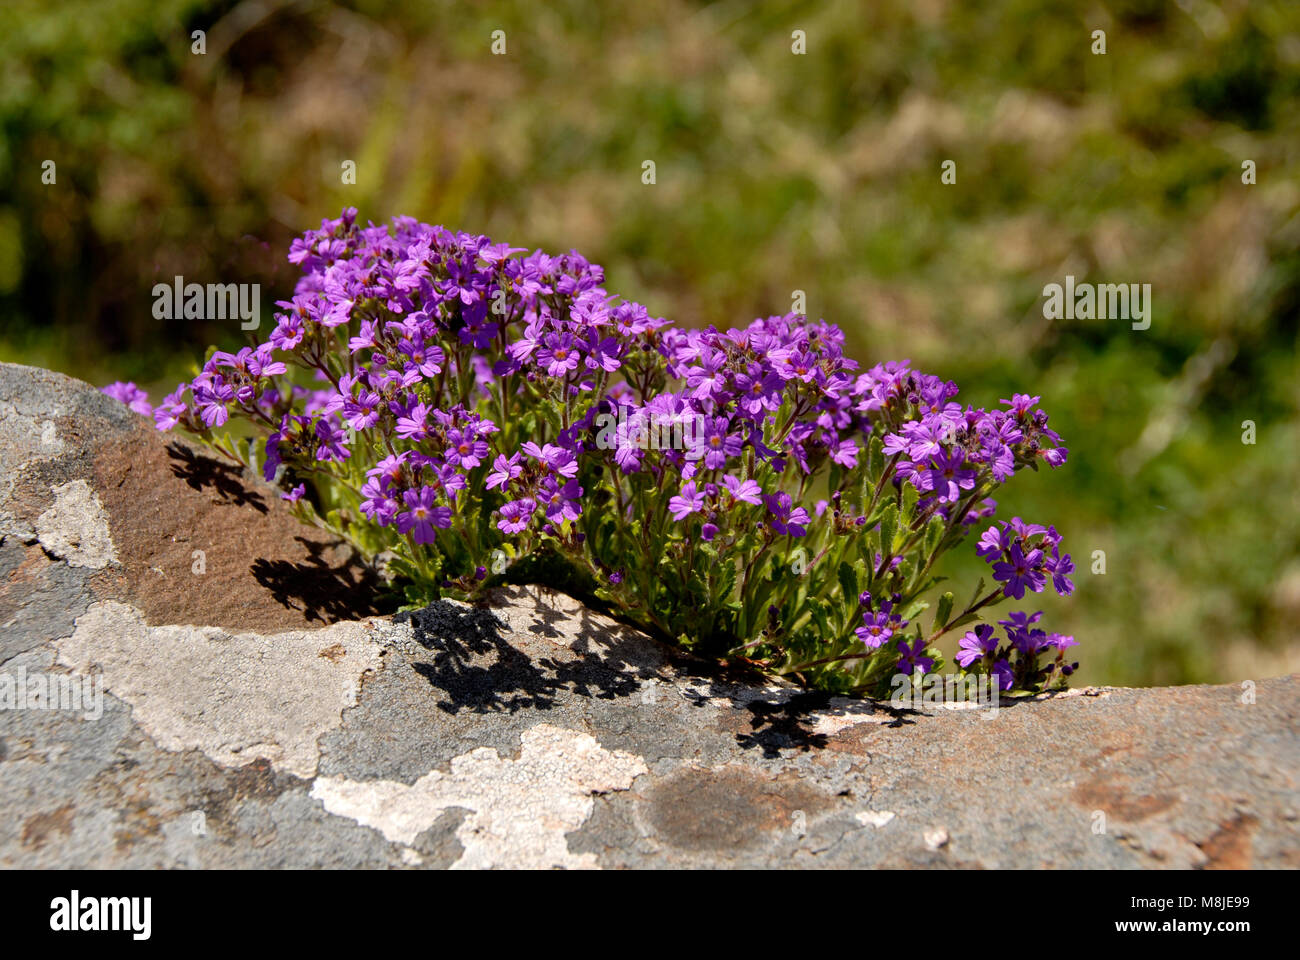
(230, 696)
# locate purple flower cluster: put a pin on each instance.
(422, 310)
(441, 396)
(945, 448)
(881, 624)
(1023, 556)
(1024, 643)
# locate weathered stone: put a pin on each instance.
(256, 710)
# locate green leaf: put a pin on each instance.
(875, 461)
(910, 496)
(934, 533)
(848, 583)
(888, 528)
(821, 615)
(913, 608)
(726, 580)
(943, 610)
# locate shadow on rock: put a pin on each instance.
(477, 668)
(205, 473)
(785, 720)
(325, 589)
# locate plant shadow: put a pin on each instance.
(482, 663)
(202, 472)
(324, 588)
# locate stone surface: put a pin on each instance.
(240, 702)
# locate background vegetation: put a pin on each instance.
(775, 172)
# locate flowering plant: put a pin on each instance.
(461, 411)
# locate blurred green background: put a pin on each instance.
(775, 172)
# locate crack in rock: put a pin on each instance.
(520, 809)
(238, 697)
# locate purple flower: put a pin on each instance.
(1029, 642)
(516, 515)
(422, 519)
(169, 413)
(876, 629)
(464, 449)
(445, 479)
(708, 378)
(1020, 403)
(365, 338)
(379, 505)
(757, 391)
(390, 471)
(976, 644)
(947, 477)
(503, 471)
(554, 458)
(330, 446)
(687, 502)
(912, 659)
(717, 444)
(559, 354)
(993, 543)
(288, 333)
(845, 453)
(1021, 570)
(211, 396)
(1060, 567)
(1019, 620)
(746, 491)
(1061, 642)
(787, 519)
(496, 254)
(424, 359)
(414, 425)
(560, 502)
(131, 395)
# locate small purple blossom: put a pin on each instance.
(131, 395)
(516, 515)
(912, 659)
(689, 501)
(976, 644)
(422, 518)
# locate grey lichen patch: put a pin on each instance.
(27, 433)
(520, 810)
(75, 528)
(237, 697)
